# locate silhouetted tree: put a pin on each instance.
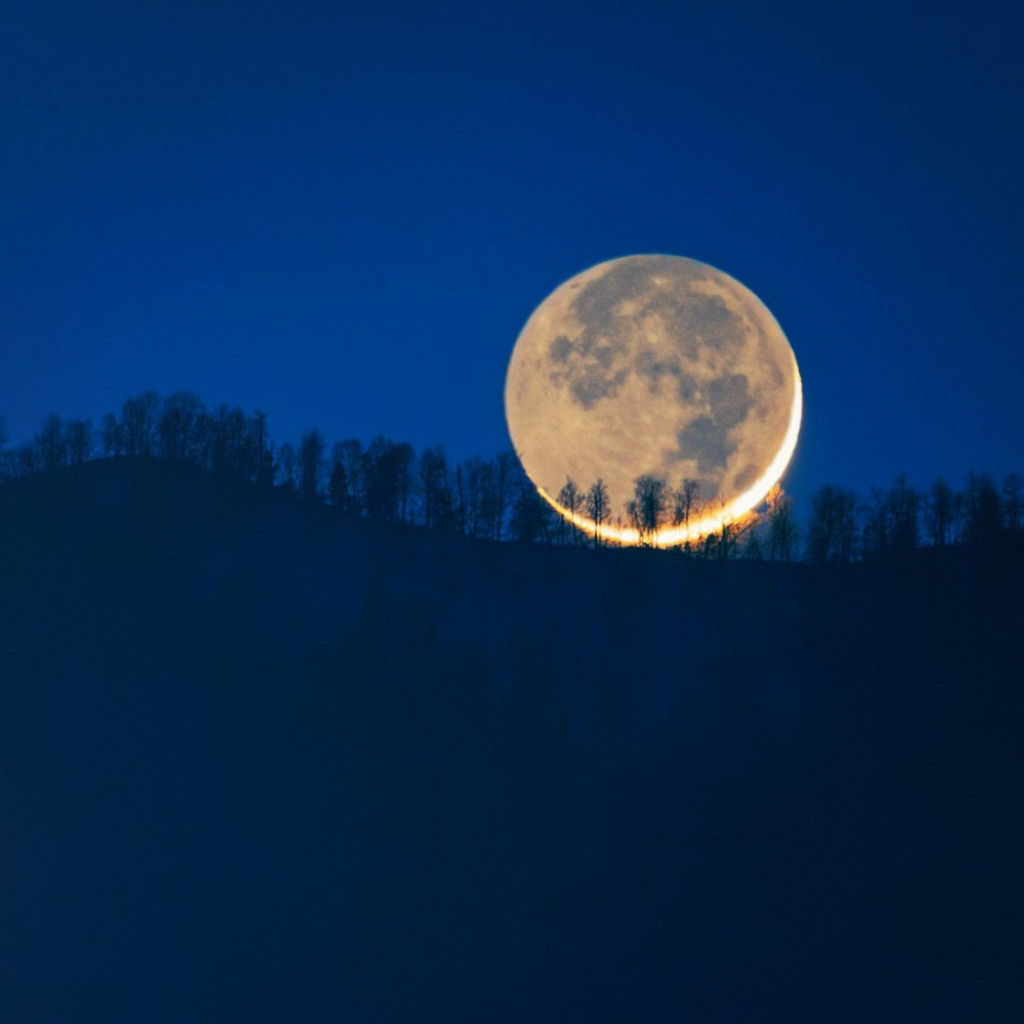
(876, 535)
(982, 512)
(832, 534)
(435, 489)
(287, 472)
(708, 547)
(78, 436)
(531, 514)
(177, 426)
(728, 539)
(486, 494)
(138, 423)
(263, 454)
(350, 460)
(311, 458)
(204, 440)
(26, 460)
(387, 473)
(892, 521)
(940, 513)
(723, 543)
(684, 502)
(597, 508)
(647, 508)
(231, 450)
(685, 505)
(1013, 502)
(752, 547)
(111, 436)
(339, 492)
(404, 457)
(477, 496)
(782, 529)
(461, 498)
(903, 504)
(571, 499)
(6, 458)
(51, 444)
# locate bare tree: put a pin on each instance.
(226, 442)
(753, 549)
(685, 502)
(531, 515)
(311, 460)
(982, 512)
(646, 510)
(904, 515)
(51, 444)
(876, 535)
(435, 489)
(504, 470)
(571, 499)
(112, 436)
(724, 542)
(26, 460)
(404, 458)
(6, 457)
(236, 455)
(939, 513)
(203, 443)
(78, 438)
(479, 508)
(832, 534)
(781, 527)
(387, 480)
(483, 498)
(598, 508)
(287, 474)
(262, 461)
(138, 423)
(338, 490)
(351, 458)
(685, 505)
(728, 537)
(461, 517)
(176, 427)
(1013, 502)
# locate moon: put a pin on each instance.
(660, 365)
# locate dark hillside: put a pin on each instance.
(259, 762)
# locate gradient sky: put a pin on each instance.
(344, 218)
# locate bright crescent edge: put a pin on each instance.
(712, 523)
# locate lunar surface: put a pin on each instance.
(655, 365)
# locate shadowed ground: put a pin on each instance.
(260, 764)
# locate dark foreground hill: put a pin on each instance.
(257, 763)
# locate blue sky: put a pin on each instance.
(344, 217)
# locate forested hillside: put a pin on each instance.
(388, 482)
(262, 761)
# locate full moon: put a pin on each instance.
(654, 365)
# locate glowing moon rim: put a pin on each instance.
(710, 522)
(616, 341)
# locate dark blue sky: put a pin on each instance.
(344, 219)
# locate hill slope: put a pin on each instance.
(260, 763)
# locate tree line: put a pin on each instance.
(891, 524)
(384, 481)
(389, 482)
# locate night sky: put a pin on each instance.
(344, 218)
